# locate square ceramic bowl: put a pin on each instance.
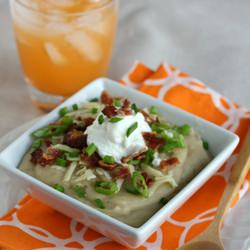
(222, 143)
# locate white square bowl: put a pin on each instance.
(222, 143)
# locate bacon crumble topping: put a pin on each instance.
(75, 139)
(153, 140)
(165, 164)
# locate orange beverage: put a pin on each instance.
(63, 44)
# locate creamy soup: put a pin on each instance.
(124, 160)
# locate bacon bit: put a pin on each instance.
(148, 179)
(88, 121)
(106, 166)
(109, 111)
(120, 172)
(47, 142)
(91, 161)
(53, 152)
(36, 155)
(137, 155)
(165, 164)
(148, 117)
(39, 157)
(125, 109)
(106, 98)
(153, 140)
(75, 139)
(79, 118)
(126, 104)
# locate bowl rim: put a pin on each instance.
(138, 231)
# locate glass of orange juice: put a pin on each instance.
(63, 44)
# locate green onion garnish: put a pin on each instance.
(67, 120)
(117, 102)
(91, 149)
(61, 162)
(75, 107)
(66, 148)
(108, 159)
(134, 162)
(74, 154)
(115, 119)
(163, 201)
(184, 129)
(135, 108)
(36, 144)
(137, 185)
(99, 203)
(106, 187)
(94, 111)
(101, 119)
(58, 187)
(50, 130)
(153, 110)
(63, 111)
(205, 145)
(132, 128)
(94, 99)
(80, 191)
(149, 157)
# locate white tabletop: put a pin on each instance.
(208, 39)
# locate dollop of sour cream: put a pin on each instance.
(111, 138)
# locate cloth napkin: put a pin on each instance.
(33, 225)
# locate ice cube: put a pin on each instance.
(56, 28)
(85, 44)
(95, 22)
(54, 54)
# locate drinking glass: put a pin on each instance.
(62, 44)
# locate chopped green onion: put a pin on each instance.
(61, 162)
(153, 110)
(108, 159)
(37, 144)
(117, 102)
(58, 187)
(149, 157)
(66, 148)
(94, 111)
(132, 128)
(101, 119)
(91, 149)
(106, 187)
(80, 191)
(163, 201)
(50, 130)
(205, 145)
(75, 107)
(94, 100)
(139, 184)
(115, 119)
(184, 129)
(160, 127)
(134, 162)
(130, 188)
(63, 111)
(74, 154)
(99, 203)
(135, 108)
(67, 120)
(173, 140)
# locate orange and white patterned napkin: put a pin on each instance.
(33, 225)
